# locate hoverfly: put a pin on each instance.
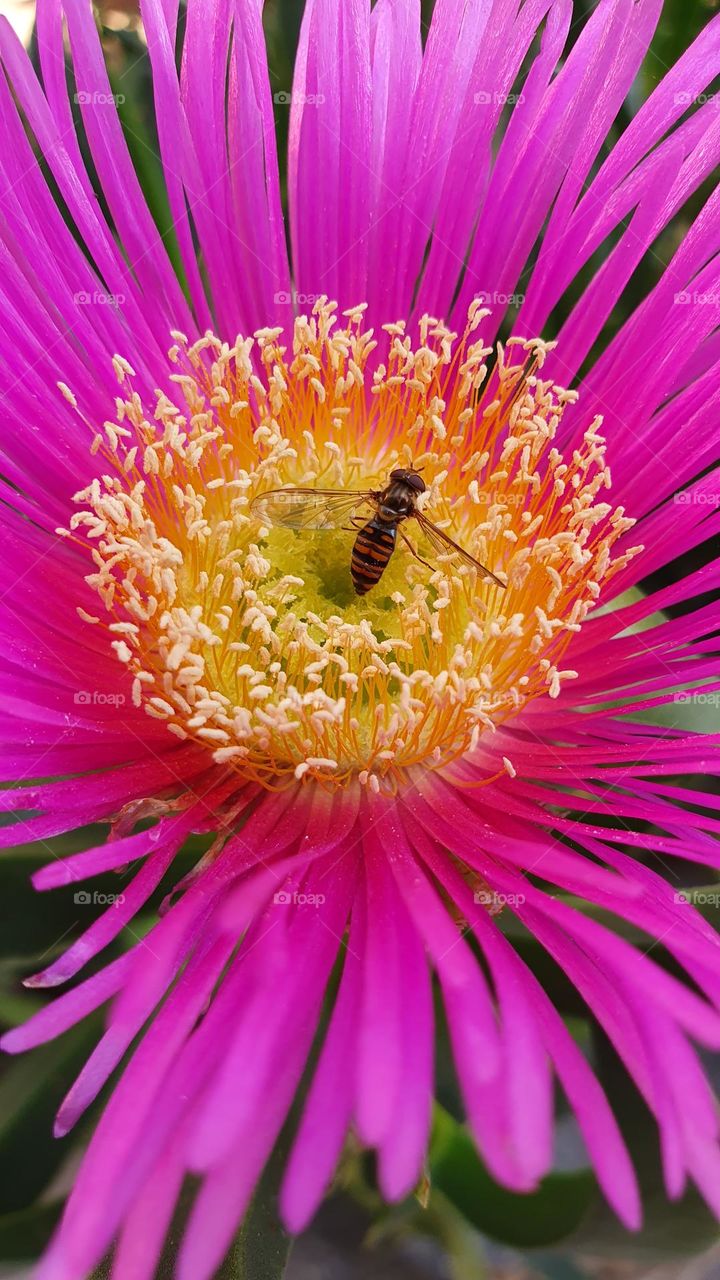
(377, 537)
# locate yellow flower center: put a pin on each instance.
(250, 639)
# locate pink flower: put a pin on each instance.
(379, 779)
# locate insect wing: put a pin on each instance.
(309, 508)
(445, 546)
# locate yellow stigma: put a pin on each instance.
(250, 640)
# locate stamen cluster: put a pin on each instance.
(249, 639)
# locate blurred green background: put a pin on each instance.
(461, 1226)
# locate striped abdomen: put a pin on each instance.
(373, 548)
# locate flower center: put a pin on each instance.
(248, 637)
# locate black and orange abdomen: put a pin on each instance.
(373, 548)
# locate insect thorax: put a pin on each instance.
(396, 503)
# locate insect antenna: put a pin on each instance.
(527, 370)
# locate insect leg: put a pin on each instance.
(415, 553)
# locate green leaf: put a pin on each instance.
(676, 1228)
(670, 1230)
(32, 922)
(679, 24)
(31, 1090)
(541, 1218)
(37, 925)
(262, 1246)
(690, 710)
(290, 14)
(24, 1234)
(706, 899)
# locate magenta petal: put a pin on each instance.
(105, 857)
(166, 838)
(143, 1234)
(404, 1146)
(274, 1016)
(379, 1051)
(528, 1078)
(69, 1008)
(330, 182)
(599, 1128)
(326, 1115)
